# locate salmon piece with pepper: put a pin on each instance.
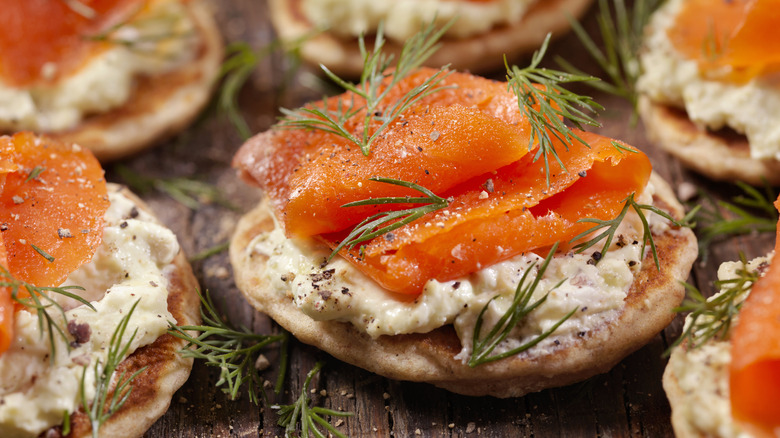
(499, 215)
(51, 210)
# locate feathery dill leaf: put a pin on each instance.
(41, 303)
(233, 351)
(482, 347)
(545, 106)
(309, 417)
(385, 222)
(621, 37)
(610, 227)
(376, 82)
(187, 191)
(750, 212)
(712, 318)
(103, 406)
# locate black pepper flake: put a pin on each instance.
(133, 213)
(580, 334)
(389, 237)
(123, 225)
(557, 342)
(488, 186)
(596, 255)
(325, 294)
(345, 291)
(632, 263)
(284, 278)
(584, 309)
(583, 173)
(153, 284)
(4, 226)
(419, 148)
(64, 233)
(81, 332)
(455, 285)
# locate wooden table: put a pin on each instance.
(627, 401)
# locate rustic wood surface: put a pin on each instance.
(627, 401)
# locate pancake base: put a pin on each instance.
(430, 357)
(481, 53)
(718, 155)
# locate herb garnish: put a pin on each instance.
(611, 226)
(712, 318)
(554, 103)
(232, 351)
(35, 173)
(482, 348)
(385, 222)
(309, 418)
(622, 38)
(753, 211)
(376, 74)
(40, 302)
(188, 192)
(102, 408)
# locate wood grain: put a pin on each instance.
(627, 401)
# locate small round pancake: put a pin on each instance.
(430, 357)
(677, 398)
(722, 155)
(480, 53)
(166, 369)
(160, 105)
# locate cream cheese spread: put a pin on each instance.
(667, 77)
(340, 292)
(703, 373)
(159, 39)
(129, 266)
(404, 18)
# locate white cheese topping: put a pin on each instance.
(667, 77)
(158, 40)
(129, 266)
(703, 373)
(340, 292)
(404, 18)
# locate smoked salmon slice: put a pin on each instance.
(468, 143)
(51, 209)
(449, 137)
(735, 40)
(43, 40)
(754, 375)
(520, 213)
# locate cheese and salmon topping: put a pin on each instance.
(469, 144)
(404, 18)
(59, 226)
(719, 60)
(63, 60)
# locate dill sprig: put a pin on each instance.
(610, 227)
(377, 73)
(103, 406)
(208, 252)
(233, 351)
(554, 104)
(621, 36)
(482, 348)
(712, 318)
(41, 303)
(309, 417)
(188, 192)
(750, 212)
(385, 222)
